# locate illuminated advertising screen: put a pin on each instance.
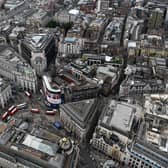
(54, 98)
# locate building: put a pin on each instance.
(156, 110)
(78, 117)
(110, 163)
(109, 75)
(41, 18)
(13, 5)
(139, 81)
(39, 50)
(108, 71)
(53, 94)
(135, 86)
(80, 86)
(114, 31)
(31, 151)
(13, 67)
(115, 129)
(150, 149)
(64, 16)
(85, 91)
(93, 32)
(70, 46)
(103, 5)
(14, 37)
(5, 92)
(156, 19)
(87, 6)
(142, 155)
(159, 67)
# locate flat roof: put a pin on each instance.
(118, 115)
(132, 44)
(70, 39)
(107, 71)
(40, 145)
(74, 12)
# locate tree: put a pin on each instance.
(65, 26)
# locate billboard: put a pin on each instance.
(54, 99)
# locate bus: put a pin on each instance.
(11, 108)
(50, 112)
(35, 110)
(21, 106)
(13, 111)
(5, 115)
(27, 94)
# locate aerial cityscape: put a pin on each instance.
(83, 83)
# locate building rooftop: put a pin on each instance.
(150, 151)
(118, 116)
(16, 62)
(40, 14)
(11, 4)
(158, 139)
(81, 111)
(38, 151)
(74, 12)
(156, 105)
(37, 41)
(98, 22)
(114, 29)
(40, 145)
(106, 71)
(70, 39)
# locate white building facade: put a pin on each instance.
(70, 46)
(5, 95)
(19, 72)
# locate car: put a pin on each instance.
(57, 124)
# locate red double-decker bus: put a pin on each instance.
(50, 112)
(35, 110)
(27, 94)
(13, 111)
(11, 108)
(5, 115)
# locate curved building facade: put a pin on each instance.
(53, 96)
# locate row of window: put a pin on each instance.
(137, 163)
(100, 145)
